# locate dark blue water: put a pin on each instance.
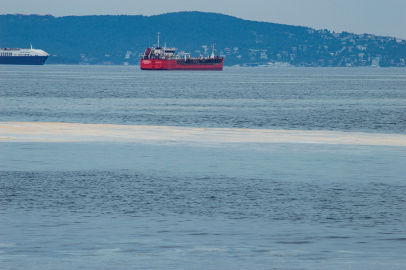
(149, 205)
(371, 100)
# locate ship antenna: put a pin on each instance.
(158, 39)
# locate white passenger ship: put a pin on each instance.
(18, 56)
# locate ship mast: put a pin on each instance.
(158, 39)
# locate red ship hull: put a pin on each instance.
(173, 64)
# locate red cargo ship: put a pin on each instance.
(162, 58)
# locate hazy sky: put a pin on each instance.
(380, 17)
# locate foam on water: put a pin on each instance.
(72, 132)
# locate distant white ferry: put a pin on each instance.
(18, 56)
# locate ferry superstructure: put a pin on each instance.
(19, 56)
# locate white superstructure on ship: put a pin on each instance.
(20, 56)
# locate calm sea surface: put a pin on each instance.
(185, 205)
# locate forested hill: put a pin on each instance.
(121, 40)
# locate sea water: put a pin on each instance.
(240, 169)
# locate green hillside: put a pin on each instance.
(121, 40)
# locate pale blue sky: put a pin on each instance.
(381, 17)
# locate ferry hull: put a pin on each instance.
(23, 60)
(163, 64)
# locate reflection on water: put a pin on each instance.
(63, 132)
